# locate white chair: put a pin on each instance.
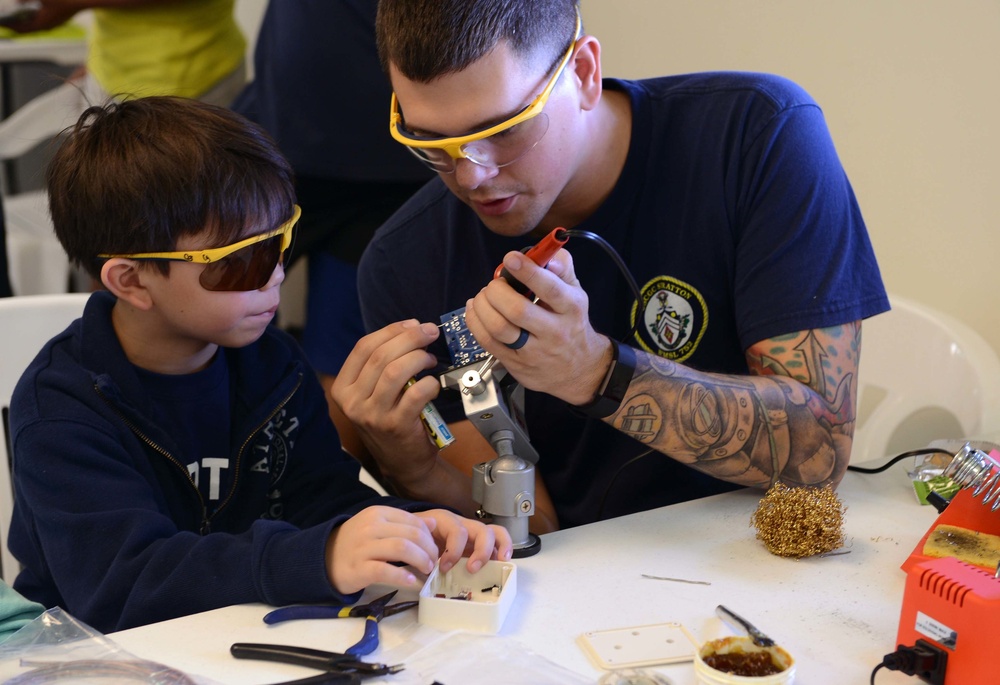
(925, 376)
(27, 323)
(36, 260)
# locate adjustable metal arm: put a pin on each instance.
(503, 488)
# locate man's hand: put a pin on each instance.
(371, 391)
(563, 356)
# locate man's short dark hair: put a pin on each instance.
(136, 175)
(425, 39)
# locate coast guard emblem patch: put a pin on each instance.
(673, 318)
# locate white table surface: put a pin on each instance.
(836, 615)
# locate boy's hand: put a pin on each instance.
(363, 550)
(458, 536)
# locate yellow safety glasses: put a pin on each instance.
(242, 266)
(495, 146)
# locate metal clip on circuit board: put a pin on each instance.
(493, 401)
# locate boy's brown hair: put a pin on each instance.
(136, 175)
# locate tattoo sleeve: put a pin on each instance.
(791, 419)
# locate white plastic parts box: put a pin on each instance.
(459, 600)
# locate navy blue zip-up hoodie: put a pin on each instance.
(107, 521)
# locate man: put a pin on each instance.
(722, 193)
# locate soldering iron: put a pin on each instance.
(540, 253)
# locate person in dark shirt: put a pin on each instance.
(735, 364)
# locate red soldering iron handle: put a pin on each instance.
(540, 253)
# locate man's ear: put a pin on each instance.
(125, 278)
(586, 65)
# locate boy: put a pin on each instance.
(172, 451)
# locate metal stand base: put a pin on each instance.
(532, 547)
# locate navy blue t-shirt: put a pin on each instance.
(200, 403)
(737, 221)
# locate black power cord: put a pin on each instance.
(925, 660)
(619, 262)
(637, 295)
(604, 497)
(898, 458)
(933, 498)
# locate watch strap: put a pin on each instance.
(611, 392)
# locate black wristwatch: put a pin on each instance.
(611, 392)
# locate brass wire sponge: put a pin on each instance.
(801, 521)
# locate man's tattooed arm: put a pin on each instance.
(792, 419)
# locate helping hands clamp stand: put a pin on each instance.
(503, 488)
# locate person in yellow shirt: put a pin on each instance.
(138, 48)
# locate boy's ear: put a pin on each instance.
(125, 279)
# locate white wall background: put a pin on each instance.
(911, 92)
(248, 15)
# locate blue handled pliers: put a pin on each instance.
(373, 612)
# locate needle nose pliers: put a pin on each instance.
(337, 668)
(373, 612)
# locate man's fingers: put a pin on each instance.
(387, 358)
(364, 349)
(547, 285)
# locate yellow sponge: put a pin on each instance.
(970, 546)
